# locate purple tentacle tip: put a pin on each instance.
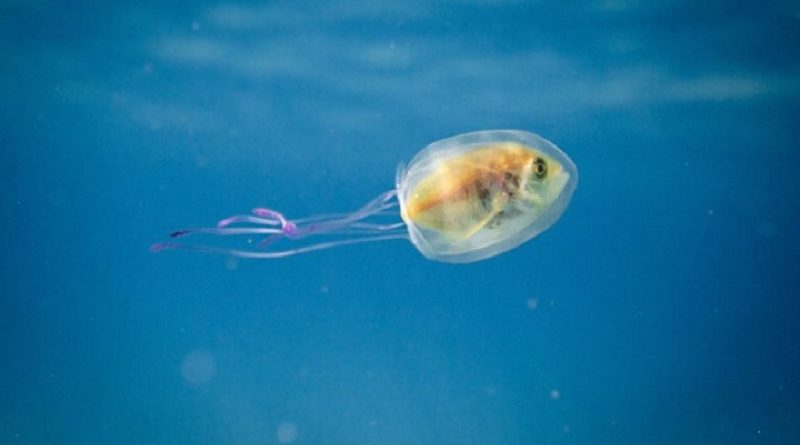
(158, 247)
(225, 222)
(178, 233)
(264, 213)
(290, 229)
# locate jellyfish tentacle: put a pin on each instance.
(273, 254)
(247, 219)
(380, 201)
(337, 216)
(224, 231)
(359, 232)
(379, 204)
(353, 227)
(288, 228)
(294, 230)
(380, 227)
(382, 208)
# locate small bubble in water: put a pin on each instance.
(287, 432)
(555, 394)
(533, 303)
(198, 367)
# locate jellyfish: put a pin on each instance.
(462, 199)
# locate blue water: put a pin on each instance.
(663, 308)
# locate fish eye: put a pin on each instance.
(540, 168)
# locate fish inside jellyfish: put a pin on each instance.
(461, 199)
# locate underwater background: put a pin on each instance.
(663, 308)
